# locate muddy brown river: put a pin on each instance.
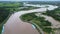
(15, 25)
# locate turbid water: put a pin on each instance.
(15, 25)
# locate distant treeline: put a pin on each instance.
(44, 2)
(10, 4)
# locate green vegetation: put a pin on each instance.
(28, 17)
(11, 4)
(6, 9)
(54, 13)
(40, 21)
(48, 30)
(3, 14)
(29, 8)
(1, 28)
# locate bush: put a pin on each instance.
(48, 30)
(3, 14)
(28, 17)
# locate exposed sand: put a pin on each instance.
(55, 23)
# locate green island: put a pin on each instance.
(40, 21)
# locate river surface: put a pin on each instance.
(15, 25)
